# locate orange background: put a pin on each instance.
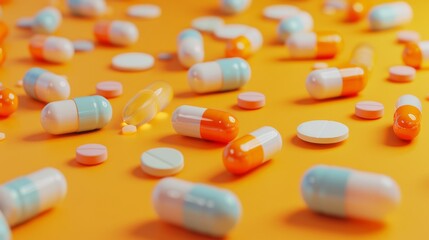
(113, 200)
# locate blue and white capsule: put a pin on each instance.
(47, 20)
(234, 6)
(76, 115)
(45, 86)
(4, 229)
(389, 15)
(25, 197)
(190, 47)
(299, 22)
(197, 207)
(348, 193)
(217, 76)
(87, 8)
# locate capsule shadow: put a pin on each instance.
(29, 103)
(176, 139)
(227, 177)
(392, 140)
(173, 64)
(295, 140)
(138, 173)
(188, 94)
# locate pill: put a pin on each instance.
(402, 73)
(369, 109)
(26, 197)
(244, 45)
(19, 83)
(91, 154)
(320, 65)
(416, 54)
(311, 45)
(45, 86)
(204, 123)
(230, 31)
(87, 8)
(47, 20)
(129, 130)
(8, 102)
(2, 136)
(190, 47)
(348, 193)
(83, 45)
(251, 100)
(221, 75)
(165, 56)
(322, 132)
(407, 117)
(76, 115)
(280, 11)
(351, 10)
(5, 233)
(252, 150)
(144, 11)
(196, 207)
(162, 162)
(51, 49)
(119, 33)
(109, 89)
(363, 56)
(300, 22)
(234, 6)
(207, 23)
(148, 102)
(389, 15)
(134, 61)
(406, 36)
(25, 22)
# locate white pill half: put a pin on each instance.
(134, 61)
(207, 23)
(162, 162)
(230, 31)
(322, 132)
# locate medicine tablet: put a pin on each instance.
(320, 65)
(230, 31)
(133, 61)
(83, 46)
(407, 36)
(2, 136)
(207, 24)
(323, 132)
(369, 109)
(278, 12)
(251, 100)
(25, 22)
(162, 162)
(402, 73)
(91, 154)
(165, 56)
(109, 89)
(129, 129)
(144, 11)
(19, 83)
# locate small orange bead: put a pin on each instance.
(357, 10)
(239, 47)
(412, 55)
(406, 124)
(8, 102)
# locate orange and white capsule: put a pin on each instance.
(120, 33)
(208, 124)
(252, 150)
(407, 117)
(51, 49)
(312, 45)
(416, 55)
(245, 45)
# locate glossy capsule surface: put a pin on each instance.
(45, 86)
(208, 124)
(8, 102)
(234, 6)
(300, 22)
(197, 207)
(416, 55)
(190, 47)
(312, 45)
(348, 193)
(245, 45)
(47, 20)
(51, 49)
(120, 33)
(389, 15)
(252, 150)
(87, 8)
(407, 117)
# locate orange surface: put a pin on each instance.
(113, 200)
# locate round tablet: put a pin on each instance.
(323, 132)
(91, 154)
(369, 109)
(109, 89)
(133, 61)
(83, 45)
(162, 162)
(25, 22)
(144, 11)
(278, 12)
(251, 100)
(230, 31)
(402, 73)
(129, 129)
(165, 56)
(320, 65)
(207, 24)
(407, 36)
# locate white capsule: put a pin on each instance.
(190, 48)
(45, 86)
(389, 15)
(87, 8)
(47, 20)
(121, 33)
(299, 22)
(52, 49)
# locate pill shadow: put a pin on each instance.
(354, 117)
(392, 140)
(44, 136)
(312, 101)
(31, 62)
(138, 173)
(176, 139)
(224, 177)
(73, 163)
(295, 140)
(29, 103)
(173, 64)
(307, 219)
(397, 82)
(188, 94)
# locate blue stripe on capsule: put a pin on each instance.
(190, 33)
(235, 73)
(94, 112)
(291, 25)
(27, 198)
(30, 79)
(46, 22)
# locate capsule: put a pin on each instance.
(416, 54)
(208, 124)
(389, 15)
(120, 33)
(87, 8)
(4, 229)
(221, 75)
(311, 45)
(25, 197)
(245, 45)
(76, 115)
(363, 56)
(51, 49)
(348, 193)
(407, 117)
(300, 22)
(197, 207)
(234, 6)
(351, 10)
(252, 150)
(8, 102)
(190, 47)
(47, 20)
(45, 86)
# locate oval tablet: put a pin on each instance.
(91, 154)
(109, 89)
(129, 129)
(162, 162)
(322, 132)
(280, 11)
(144, 11)
(251, 100)
(230, 31)
(83, 45)
(133, 61)
(369, 109)
(402, 73)
(207, 23)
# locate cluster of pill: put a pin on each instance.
(330, 190)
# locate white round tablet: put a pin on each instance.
(278, 12)
(25, 22)
(162, 162)
(83, 45)
(144, 11)
(322, 132)
(207, 24)
(133, 61)
(230, 31)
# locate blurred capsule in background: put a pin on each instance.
(190, 47)
(234, 6)
(51, 49)
(407, 117)
(312, 45)
(299, 22)
(389, 15)
(350, 10)
(120, 33)
(87, 8)
(244, 45)
(8, 102)
(45, 86)
(47, 20)
(416, 54)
